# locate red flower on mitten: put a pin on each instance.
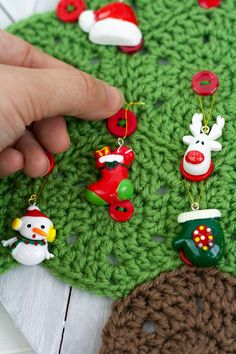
(203, 237)
(70, 10)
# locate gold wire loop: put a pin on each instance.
(207, 118)
(205, 129)
(195, 202)
(195, 206)
(33, 199)
(128, 105)
(120, 142)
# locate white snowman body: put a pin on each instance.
(32, 248)
(29, 254)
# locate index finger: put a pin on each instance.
(17, 52)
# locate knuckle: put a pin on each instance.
(26, 55)
(92, 91)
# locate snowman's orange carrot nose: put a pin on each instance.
(39, 232)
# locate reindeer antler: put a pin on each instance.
(196, 125)
(216, 130)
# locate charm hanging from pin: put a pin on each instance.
(201, 241)
(30, 246)
(114, 187)
(36, 230)
(196, 164)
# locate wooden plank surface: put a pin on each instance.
(11, 340)
(37, 303)
(52, 317)
(87, 314)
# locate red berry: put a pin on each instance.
(70, 10)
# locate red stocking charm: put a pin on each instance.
(114, 187)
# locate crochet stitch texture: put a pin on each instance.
(91, 250)
(185, 311)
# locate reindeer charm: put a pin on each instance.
(196, 164)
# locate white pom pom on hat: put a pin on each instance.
(87, 20)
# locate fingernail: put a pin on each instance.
(47, 169)
(51, 163)
(115, 98)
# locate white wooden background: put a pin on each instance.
(54, 318)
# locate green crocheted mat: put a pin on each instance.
(91, 250)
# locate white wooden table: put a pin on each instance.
(51, 317)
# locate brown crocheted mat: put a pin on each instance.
(187, 311)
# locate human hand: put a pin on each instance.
(36, 90)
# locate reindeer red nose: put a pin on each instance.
(194, 157)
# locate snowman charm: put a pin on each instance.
(36, 229)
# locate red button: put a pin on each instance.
(208, 4)
(51, 161)
(205, 83)
(70, 10)
(132, 50)
(117, 124)
(121, 211)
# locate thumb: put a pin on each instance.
(41, 93)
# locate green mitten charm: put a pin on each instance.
(201, 241)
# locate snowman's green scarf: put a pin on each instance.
(27, 241)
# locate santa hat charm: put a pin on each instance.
(113, 24)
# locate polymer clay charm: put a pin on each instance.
(114, 185)
(113, 24)
(35, 229)
(196, 164)
(201, 241)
